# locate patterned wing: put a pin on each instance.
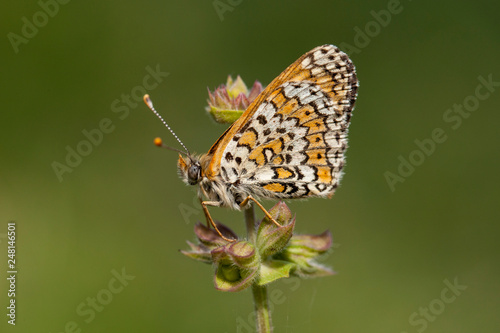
(290, 142)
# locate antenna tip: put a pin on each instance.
(158, 142)
(147, 100)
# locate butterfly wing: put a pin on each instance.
(291, 140)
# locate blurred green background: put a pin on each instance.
(120, 207)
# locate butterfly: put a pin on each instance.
(289, 143)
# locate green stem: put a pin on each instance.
(261, 303)
(250, 223)
(263, 316)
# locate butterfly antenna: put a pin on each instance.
(149, 103)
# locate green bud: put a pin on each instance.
(242, 254)
(228, 102)
(270, 238)
(230, 273)
(231, 278)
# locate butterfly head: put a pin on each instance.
(189, 169)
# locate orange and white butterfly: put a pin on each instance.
(289, 143)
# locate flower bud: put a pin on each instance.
(228, 102)
(270, 238)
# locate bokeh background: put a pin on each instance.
(122, 208)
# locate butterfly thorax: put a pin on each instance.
(192, 171)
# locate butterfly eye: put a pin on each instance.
(194, 173)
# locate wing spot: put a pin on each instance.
(224, 172)
(299, 174)
(262, 120)
(283, 173)
(292, 189)
(321, 187)
(275, 187)
(277, 160)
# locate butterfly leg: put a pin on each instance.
(205, 211)
(204, 204)
(245, 202)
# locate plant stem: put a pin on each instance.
(250, 223)
(263, 317)
(261, 303)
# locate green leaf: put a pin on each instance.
(273, 270)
